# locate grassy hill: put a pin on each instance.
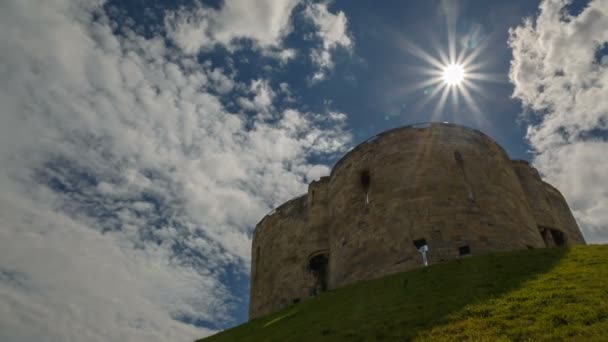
(537, 295)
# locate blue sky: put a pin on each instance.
(141, 141)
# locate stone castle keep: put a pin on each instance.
(445, 186)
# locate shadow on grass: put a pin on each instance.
(399, 307)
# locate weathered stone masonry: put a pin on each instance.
(448, 186)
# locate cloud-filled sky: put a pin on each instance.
(141, 141)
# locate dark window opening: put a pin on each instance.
(464, 250)
(552, 237)
(558, 237)
(419, 243)
(318, 267)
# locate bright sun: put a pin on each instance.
(453, 74)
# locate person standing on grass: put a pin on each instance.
(423, 250)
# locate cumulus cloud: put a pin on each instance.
(127, 190)
(333, 33)
(265, 22)
(560, 73)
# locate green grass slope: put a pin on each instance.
(553, 294)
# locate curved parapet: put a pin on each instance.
(553, 217)
(450, 187)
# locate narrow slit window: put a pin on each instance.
(458, 158)
(365, 183)
(257, 262)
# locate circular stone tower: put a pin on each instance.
(445, 186)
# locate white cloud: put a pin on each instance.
(333, 32)
(263, 96)
(316, 172)
(286, 92)
(265, 22)
(61, 281)
(282, 55)
(221, 83)
(560, 80)
(126, 188)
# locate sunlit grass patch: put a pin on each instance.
(539, 295)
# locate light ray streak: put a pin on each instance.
(468, 99)
(420, 53)
(441, 104)
(424, 102)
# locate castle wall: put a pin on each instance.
(283, 244)
(277, 258)
(451, 186)
(547, 204)
(563, 215)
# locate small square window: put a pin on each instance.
(464, 250)
(419, 243)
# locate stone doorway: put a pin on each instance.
(318, 268)
(558, 237)
(552, 237)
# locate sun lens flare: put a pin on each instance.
(453, 74)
